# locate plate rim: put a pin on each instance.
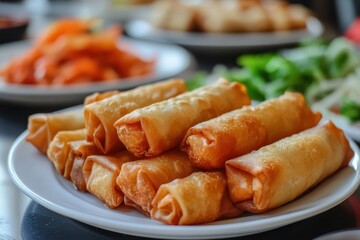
(186, 232)
(314, 28)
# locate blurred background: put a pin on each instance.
(336, 15)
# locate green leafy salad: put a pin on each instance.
(326, 73)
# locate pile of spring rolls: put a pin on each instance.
(191, 157)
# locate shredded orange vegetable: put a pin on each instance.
(68, 52)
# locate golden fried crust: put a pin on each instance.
(101, 115)
(209, 144)
(199, 198)
(280, 172)
(59, 147)
(139, 180)
(42, 127)
(164, 124)
(100, 173)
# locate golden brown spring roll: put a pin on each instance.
(129, 202)
(101, 116)
(280, 172)
(199, 198)
(42, 127)
(79, 151)
(59, 147)
(99, 96)
(151, 130)
(101, 171)
(209, 144)
(139, 180)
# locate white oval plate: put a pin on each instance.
(171, 61)
(35, 175)
(352, 131)
(129, 12)
(210, 41)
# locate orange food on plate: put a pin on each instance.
(69, 51)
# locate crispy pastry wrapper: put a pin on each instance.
(209, 144)
(100, 173)
(130, 203)
(79, 151)
(280, 172)
(199, 198)
(101, 116)
(99, 96)
(42, 127)
(152, 130)
(59, 147)
(139, 180)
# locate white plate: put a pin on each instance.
(34, 174)
(353, 131)
(129, 12)
(171, 61)
(241, 41)
(103, 9)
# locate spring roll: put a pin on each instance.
(79, 151)
(209, 144)
(199, 198)
(42, 127)
(59, 147)
(100, 173)
(139, 180)
(99, 96)
(280, 172)
(152, 130)
(130, 203)
(101, 116)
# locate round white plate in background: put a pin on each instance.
(172, 61)
(223, 41)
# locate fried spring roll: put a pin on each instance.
(129, 202)
(42, 127)
(209, 144)
(59, 147)
(99, 96)
(280, 172)
(101, 116)
(79, 151)
(151, 130)
(139, 180)
(199, 198)
(101, 171)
